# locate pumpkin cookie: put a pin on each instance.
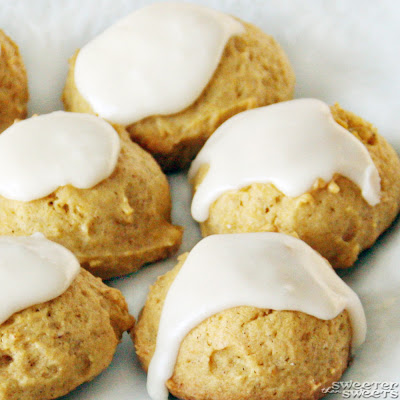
(247, 351)
(59, 325)
(113, 227)
(251, 71)
(13, 83)
(334, 215)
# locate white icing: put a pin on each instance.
(289, 144)
(155, 61)
(264, 270)
(43, 153)
(33, 270)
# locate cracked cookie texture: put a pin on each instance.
(49, 349)
(113, 228)
(333, 217)
(246, 353)
(254, 71)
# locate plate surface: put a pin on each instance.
(346, 52)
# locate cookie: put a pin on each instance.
(13, 83)
(49, 349)
(244, 352)
(332, 216)
(253, 71)
(247, 352)
(115, 227)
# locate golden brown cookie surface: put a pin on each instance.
(253, 71)
(49, 349)
(113, 228)
(333, 217)
(246, 353)
(13, 83)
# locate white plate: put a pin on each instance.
(341, 51)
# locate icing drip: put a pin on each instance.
(33, 270)
(289, 144)
(155, 61)
(43, 153)
(264, 270)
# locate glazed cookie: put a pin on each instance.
(63, 324)
(267, 319)
(13, 83)
(88, 187)
(323, 175)
(170, 105)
